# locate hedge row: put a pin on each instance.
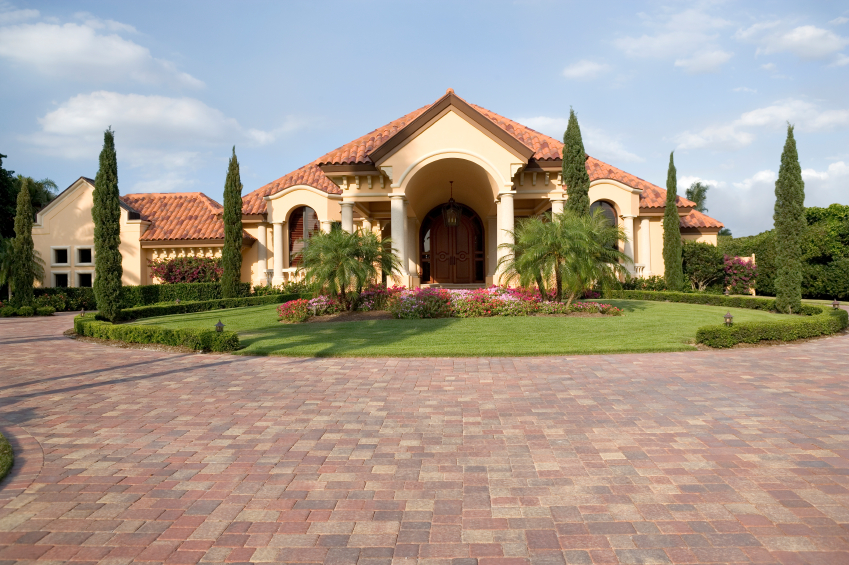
(815, 322)
(141, 295)
(26, 311)
(827, 322)
(750, 302)
(188, 307)
(197, 339)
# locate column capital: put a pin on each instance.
(347, 203)
(397, 196)
(624, 216)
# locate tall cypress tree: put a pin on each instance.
(673, 270)
(575, 175)
(23, 251)
(232, 255)
(790, 224)
(106, 213)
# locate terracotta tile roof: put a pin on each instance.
(696, 219)
(179, 216)
(357, 152)
(309, 175)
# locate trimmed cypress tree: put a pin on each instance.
(575, 175)
(23, 251)
(231, 259)
(673, 270)
(790, 224)
(106, 213)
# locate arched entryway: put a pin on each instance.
(452, 255)
(303, 223)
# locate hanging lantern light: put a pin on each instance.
(451, 212)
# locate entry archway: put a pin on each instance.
(452, 255)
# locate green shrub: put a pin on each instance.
(750, 302)
(7, 311)
(7, 458)
(26, 311)
(703, 265)
(45, 311)
(828, 281)
(197, 339)
(828, 321)
(202, 306)
(66, 299)
(294, 311)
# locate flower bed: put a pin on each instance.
(443, 303)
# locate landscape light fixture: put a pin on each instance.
(728, 318)
(219, 327)
(177, 301)
(835, 304)
(727, 292)
(451, 212)
(82, 313)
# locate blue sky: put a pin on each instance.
(285, 82)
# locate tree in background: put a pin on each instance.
(575, 175)
(789, 219)
(698, 194)
(703, 264)
(106, 213)
(231, 256)
(41, 192)
(8, 201)
(23, 252)
(673, 271)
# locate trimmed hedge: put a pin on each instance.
(7, 458)
(827, 322)
(750, 302)
(815, 322)
(197, 339)
(45, 311)
(77, 298)
(188, 307)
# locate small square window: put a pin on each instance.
(60, 257)
(60, 280)
(84, 279)
(84, 255)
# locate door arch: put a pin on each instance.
(452, 255)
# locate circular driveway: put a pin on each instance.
(701, 457)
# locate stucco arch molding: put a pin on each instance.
(280, 205)
(453, 153)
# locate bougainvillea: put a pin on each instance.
(294, 311)
(740, 275)
(186, 269)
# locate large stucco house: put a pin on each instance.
(395, 181)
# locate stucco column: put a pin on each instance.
(628, 224)
(556, 206)
(398, 206)
(506, 222)
(326, 225)
(491, 246)
(278, 253)
(367, 224)
(348, 216)
(645, 247)
(261, 251)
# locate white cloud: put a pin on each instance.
(839, 20)
(687, 181)
(806, 42)
(744, 89)
(805, 115)
(596, 142)
(585, 70)
(13, 16)
(689, 37)
(704, 61)
(79, 52)
(94, 22)
(841, 61)
(761, 177)
(834, 170)
(768, 67)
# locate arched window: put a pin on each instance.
(606, 209)
(303, 223)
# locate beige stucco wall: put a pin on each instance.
(700, 236)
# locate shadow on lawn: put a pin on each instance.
(630, 305)
(338, 339)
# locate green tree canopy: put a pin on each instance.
(575, 176)
(698, 194)
(673, 272)
(231, 259)
(106, 213)
(23, 253)
(8, 201)
(790, 222)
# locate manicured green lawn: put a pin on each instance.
(646, 326)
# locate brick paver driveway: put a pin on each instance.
(702, 457)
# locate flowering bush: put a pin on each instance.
(421, 303)
(290, 287)
(322, 305)
(740, 275)
(654, 282)
(186, 269)
(493, 301)
(294, 311)
(375, 297)
(58, 302)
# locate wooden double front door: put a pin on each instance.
(452, 255)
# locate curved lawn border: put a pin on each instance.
(7, 457)
(154, 310)
(815, 321)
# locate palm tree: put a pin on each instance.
(576, 251)
(340, 263)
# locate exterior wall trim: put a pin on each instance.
(289, 189)
(447, 153)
